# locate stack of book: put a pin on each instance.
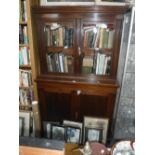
(24, 57)
(102, 64)
(58, 62)
(96, 36)
(99, 64)
(26, 96)
(25, 78)
(22, 11)
(58, 36)
(23, 34)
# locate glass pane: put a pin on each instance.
(97, 48)
(59, 44)
(59, 35)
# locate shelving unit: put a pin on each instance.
(27, 66)
(65, 89)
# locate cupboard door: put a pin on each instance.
(99, 43)
(57, 44)
(96, 106)
(54, 106)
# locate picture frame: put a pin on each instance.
(47, 128)
(25, 116)
(76, 125)
(93, 134)
(96, 123)
(21, 126)
(58, 132)
(73, 134)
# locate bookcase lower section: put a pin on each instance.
(73, 101)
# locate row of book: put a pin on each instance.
(25, 78)
(59, 36)
(58, 62)
(98, 37)
(23, 34)
(24, 56)
(22, 11)
(26, 96)
(99, 64)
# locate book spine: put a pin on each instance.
(21, 35)
(97, 63)
(24, 11)
(106, 36)
(110, 40)
(25, 34)
(65, 64)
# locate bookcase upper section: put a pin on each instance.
(78, 41)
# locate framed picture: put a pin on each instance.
(47, 128)
(73, 135)
(58, 132)
(25, 117)
(21, 126)
(93, 135)
(96, 123)
(75, 125)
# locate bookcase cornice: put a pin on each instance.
(80, 9)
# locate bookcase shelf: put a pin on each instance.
(23, 45)
(23, 23)
(27, 66)
(68, 51)
(78, 49)
(91, 51)
(22, 87)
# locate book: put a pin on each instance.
(24, 15)
(25, 33)
(87, 65)
(106, 36)
(49, 63)
(65, 64)
(97, 62)
(110, 39)
(101, 64)
(21, 35)
(70, 64)
(101, 39)
(61, 61)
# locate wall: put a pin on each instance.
(125, 103)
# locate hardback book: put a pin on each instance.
(65, 64)
(24, 15)
(101, 64)
(87, 65)
(101, 40)
(110, 39)
(70, 64)
(61, 61)
(106, 36)
(25, 32)
(49, 62)
(21, 35)
(48, 35)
